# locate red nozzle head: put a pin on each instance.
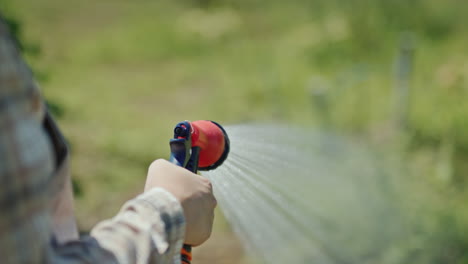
(213, 142)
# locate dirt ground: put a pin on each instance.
(222, 248)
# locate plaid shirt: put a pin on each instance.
(148, 229)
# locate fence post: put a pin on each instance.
(403, 70)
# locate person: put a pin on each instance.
(37, 222)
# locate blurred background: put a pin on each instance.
(118, 76)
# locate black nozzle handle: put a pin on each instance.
(186, 156)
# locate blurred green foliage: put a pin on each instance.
(127, 71)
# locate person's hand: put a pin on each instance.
(193, 191)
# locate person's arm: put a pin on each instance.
(148, 229)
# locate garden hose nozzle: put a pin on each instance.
(198, 145)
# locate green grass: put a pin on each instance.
(124, 72)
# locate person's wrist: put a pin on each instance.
(155, 195)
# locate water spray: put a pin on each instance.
(199, 145)
(299, 195)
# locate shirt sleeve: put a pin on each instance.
(148, 229)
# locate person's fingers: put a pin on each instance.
(211, 197)
(214, 202)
